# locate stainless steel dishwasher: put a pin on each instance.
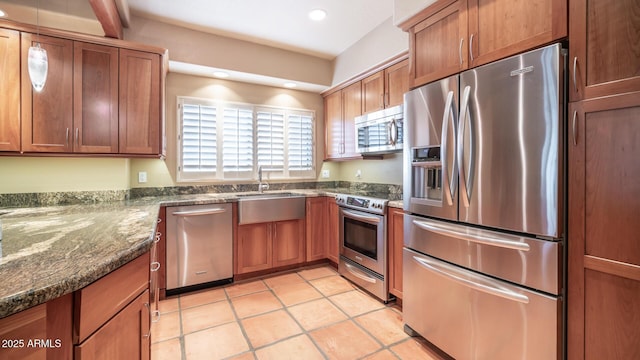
(199, 246)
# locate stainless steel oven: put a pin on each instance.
(363, 243)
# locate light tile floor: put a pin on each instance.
(308, 314)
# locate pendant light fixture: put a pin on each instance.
(38, 63)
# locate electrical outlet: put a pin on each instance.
(142, 177)
(358, 174)
(325, 174)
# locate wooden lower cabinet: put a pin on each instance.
(395, 240)
(316, 228)
(604, 251)
(333, 234)
(268, 245)
(125, 336)
(41, 332)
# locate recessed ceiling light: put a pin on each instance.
(220, 74)
(317, 14)
(289, 85)
(2, 13)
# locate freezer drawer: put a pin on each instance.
(472, 316)
(520, 259)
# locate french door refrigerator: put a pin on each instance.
(484, 176)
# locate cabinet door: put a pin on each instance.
(500, 28)
(351, 107)
(316, 227)
(140, 130)
(373, 92)
(395, 236)
(438, 45)
(604, 251)
(95, 102)
(10, 90)
(603, 48)
(396, 83)
(47, 116)
(255, 247)
(125, 336)
(333, 236)
(333, 125)
(288, 242)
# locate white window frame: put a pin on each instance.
(285, 173)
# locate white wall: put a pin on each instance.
(381, 44)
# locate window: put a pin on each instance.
(220, 140)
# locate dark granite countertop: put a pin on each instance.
(50, 251)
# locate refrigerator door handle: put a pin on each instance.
(502, 241)
(470, 280)
(464, 177)
(446, 119)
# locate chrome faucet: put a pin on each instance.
(261, 186)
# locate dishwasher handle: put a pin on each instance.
(199, 212)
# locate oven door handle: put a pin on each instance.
(471, 281)
(365, 218)
(359, 273)
(484, 238)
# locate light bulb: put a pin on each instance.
(38, 67)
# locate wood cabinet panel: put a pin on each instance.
(603, 261)
(255, 247)
(95, 102)
(316, 228)
(125, 336)
(288, 242)
(98, 302)
(395, 238)
(47, 116)
(501, 28)
(603, 48)
(10, 90)
(161, 231)
(351, 107)
(437, 45)
(333, 237)
(373, 92)
(333, 125)
(139, 126)
(396, 83)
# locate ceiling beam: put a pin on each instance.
(108, 16)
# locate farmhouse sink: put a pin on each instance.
(260, 208)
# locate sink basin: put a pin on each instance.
(261, 208)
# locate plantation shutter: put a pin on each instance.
(237, 149)
(270, 140)
(300, 141)
(199, 145)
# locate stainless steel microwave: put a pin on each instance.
(380, 132)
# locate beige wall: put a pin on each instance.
(47, 174)
(383, 43)
(385, 171)
(27, 14)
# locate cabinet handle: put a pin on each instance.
(460, 50)
(382, 102)
(155, 266)
(148, 335)
(574, 128)
(66, 138)
(159, 220)
(575, 65)
(78, 136)
(471, 48)
(158, 236)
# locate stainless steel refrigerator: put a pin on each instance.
(484, 191)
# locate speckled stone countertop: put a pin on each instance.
(50, 251)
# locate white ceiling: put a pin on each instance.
(279, 23)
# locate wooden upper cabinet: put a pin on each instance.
(501, 28)
(438, 45)
(10, 90)
(47, 116)
(95, 102)
(603, 246)
(351, 108)
(333, 125)
(604, 53)
(373, 92)
(140, 111)
(396, 79)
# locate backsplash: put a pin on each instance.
(386, 191)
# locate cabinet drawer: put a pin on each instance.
(100, 301)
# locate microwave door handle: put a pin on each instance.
(464, 110)
(393, 132)
(471, 281)
(449, 180)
